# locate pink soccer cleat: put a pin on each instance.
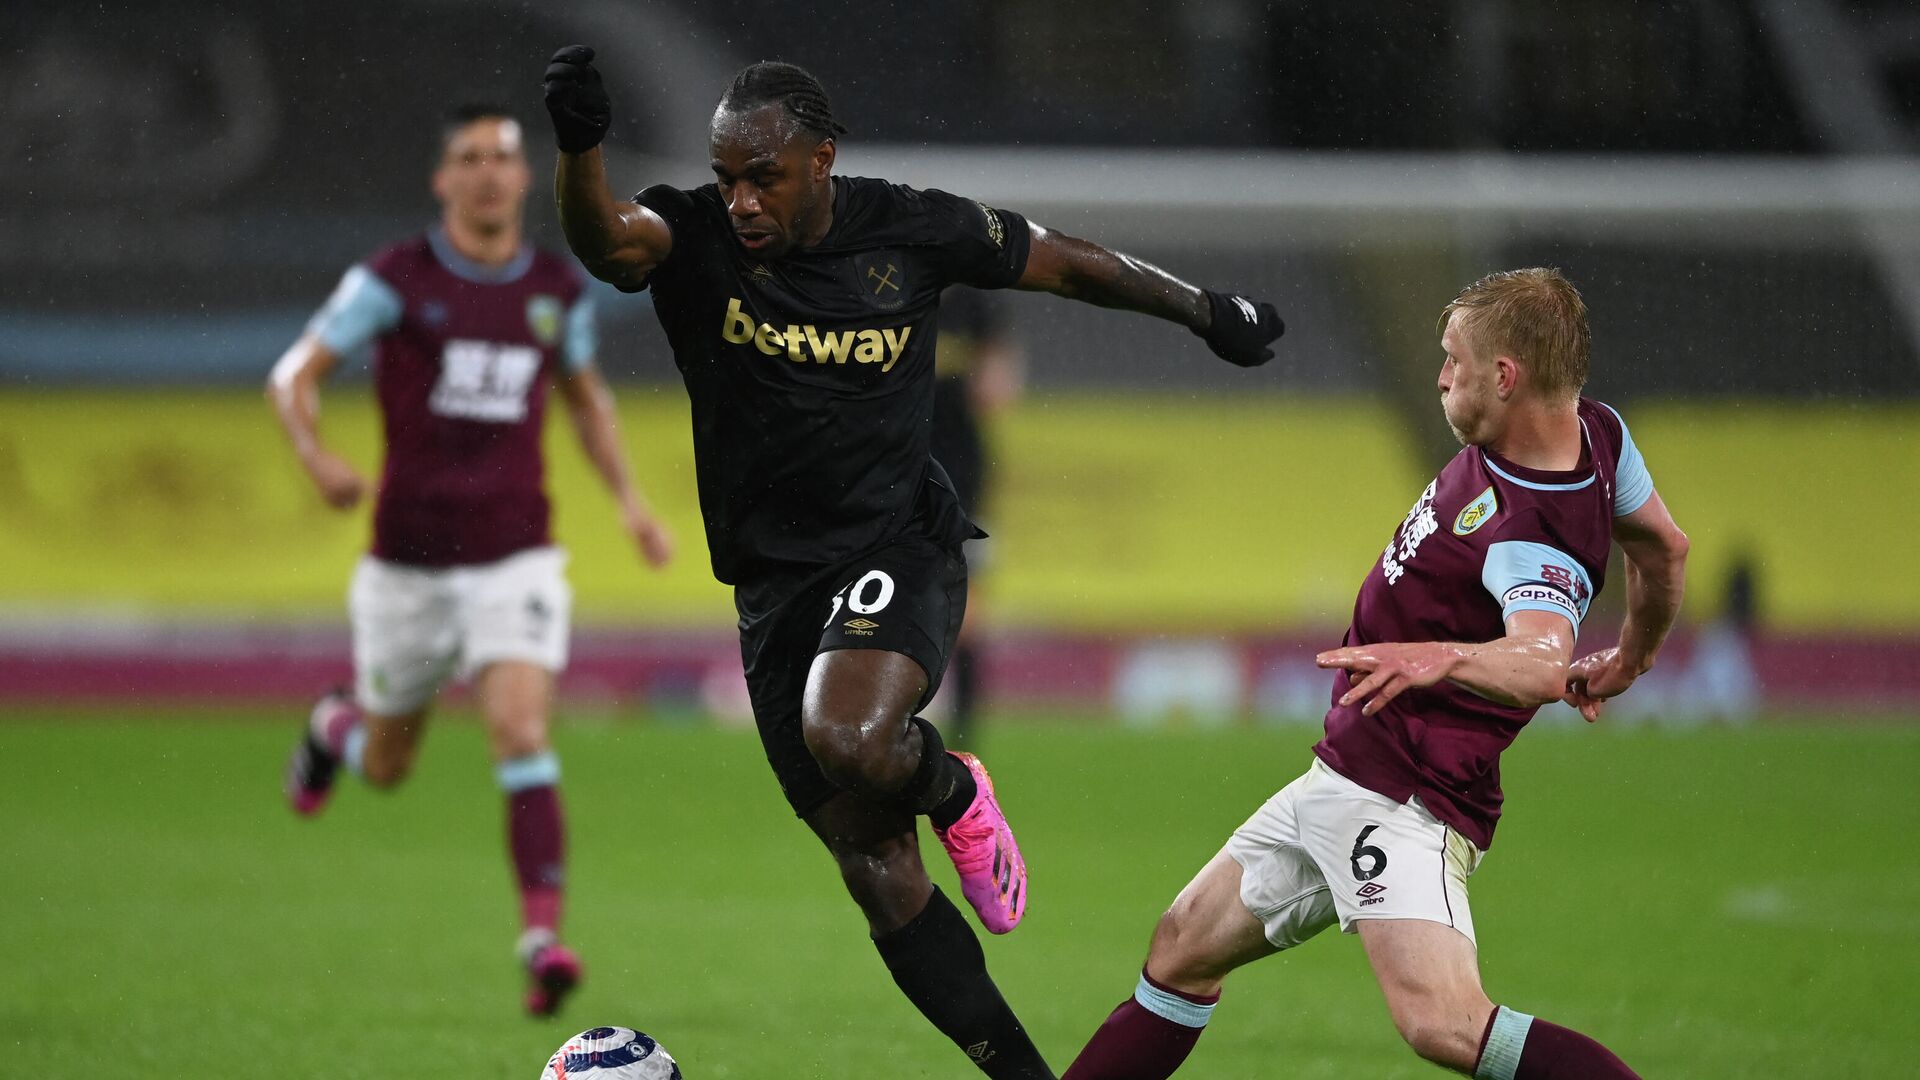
(313, 764)
(555, 971)
(993, 876)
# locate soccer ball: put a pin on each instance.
(611, 1053)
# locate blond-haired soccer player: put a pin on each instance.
(1463, 628)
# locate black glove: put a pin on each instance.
(1241, 331)
(577, 102)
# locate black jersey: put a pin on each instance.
(811, 376)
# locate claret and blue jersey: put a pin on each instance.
(462, 356)
(1487, 538)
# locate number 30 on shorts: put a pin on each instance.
(873, 592)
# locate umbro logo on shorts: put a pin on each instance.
(863, 627)
(1371, 893)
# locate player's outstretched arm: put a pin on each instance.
(590, 407)
(1656, 552)
(617, 241)
(1527, 668)
(294, 390)
(1238, 330)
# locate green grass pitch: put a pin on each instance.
(1710, 904)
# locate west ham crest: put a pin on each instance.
(881, 277)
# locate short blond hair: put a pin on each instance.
(1536, 317)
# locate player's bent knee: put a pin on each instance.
(1443, 1037)
(1179, 956)
(841, 747)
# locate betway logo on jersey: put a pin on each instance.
(805, 343)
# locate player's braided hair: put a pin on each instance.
(790, 86)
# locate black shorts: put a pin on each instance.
(907, 596)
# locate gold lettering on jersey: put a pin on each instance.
(769, 341)
(996, 231)
(831, 347)
(801, 342)
(738, 328)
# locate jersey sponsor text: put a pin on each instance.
(1420, 523)
(803, 342)
(482, 380)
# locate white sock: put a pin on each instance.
(355, 750)
(1501, 1056)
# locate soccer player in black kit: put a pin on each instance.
(801, 310)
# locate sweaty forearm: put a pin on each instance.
(1239, 330)
(1653, 603)
(1511, 670)
(589, 216)
(1113, 279)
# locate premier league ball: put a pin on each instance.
(611, 1053)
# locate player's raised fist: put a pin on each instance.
(1242, 331)
(576, 100)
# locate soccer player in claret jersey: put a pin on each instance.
(1463, 628)
(468, 324)
(801, 309)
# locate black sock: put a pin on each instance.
(941, 787)
(936, 961)
(964, 791)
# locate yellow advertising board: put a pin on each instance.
(1136, 512)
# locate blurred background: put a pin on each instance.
(1732, 184)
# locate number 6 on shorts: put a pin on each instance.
(1377, 859)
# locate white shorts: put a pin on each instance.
(414, 628)
(1326, 849)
